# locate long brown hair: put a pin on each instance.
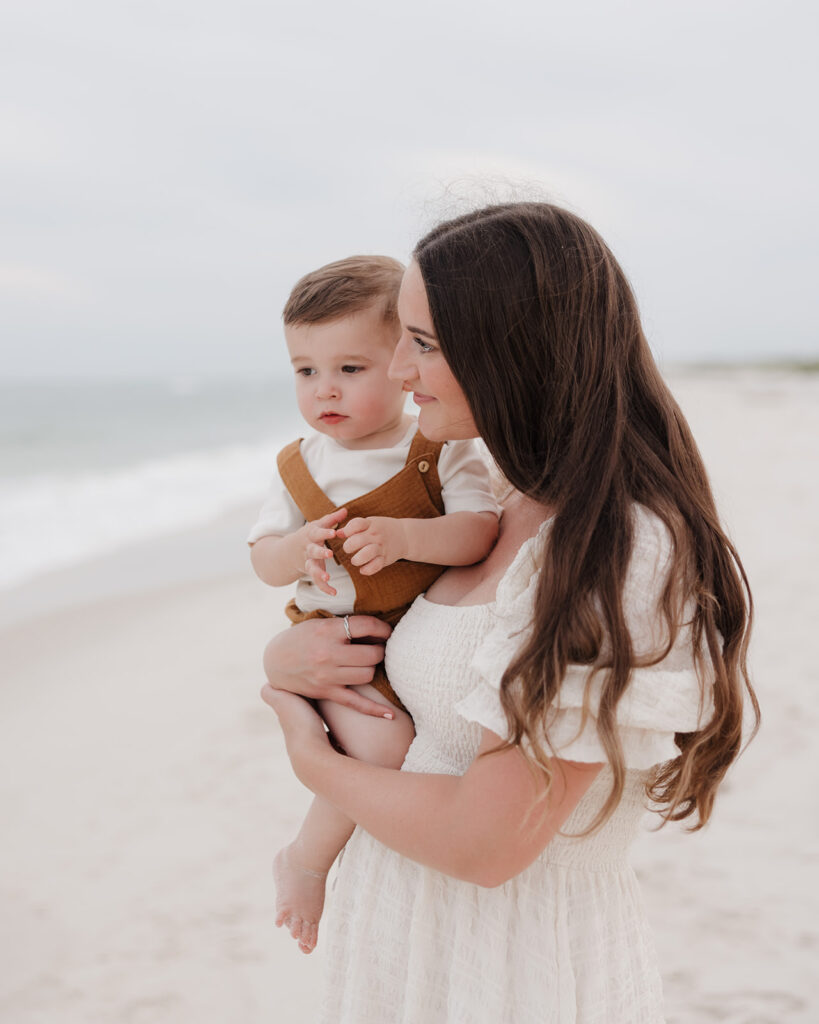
(541, 329)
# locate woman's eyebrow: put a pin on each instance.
(420, 330)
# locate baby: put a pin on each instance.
(409, 507)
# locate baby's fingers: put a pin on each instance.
(357, 525)
(319, 575)
(366, 555)
(317, 551)
(332, 519)
(318, 534)
(373, 566)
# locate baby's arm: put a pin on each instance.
(460, 538)
(279, 560)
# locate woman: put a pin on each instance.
(595, 659)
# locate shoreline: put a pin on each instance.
(204, 552)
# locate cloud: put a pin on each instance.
(174, 167)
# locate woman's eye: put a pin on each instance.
(351, 369)
(423, 345)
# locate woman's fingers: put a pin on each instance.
(367, 626)
(294, 712)
(354, 676)
(358, 702)
(316, 659)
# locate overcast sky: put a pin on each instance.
(168, 169)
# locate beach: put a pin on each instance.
(144, 787)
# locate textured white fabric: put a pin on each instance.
(347, 473)
(661, 699)
(564, 942)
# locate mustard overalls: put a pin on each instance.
(414, 492)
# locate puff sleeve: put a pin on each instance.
(660, 700)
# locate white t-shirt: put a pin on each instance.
(344, 474)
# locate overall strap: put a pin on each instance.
(425, 454)
(423, 446)
(313, 503)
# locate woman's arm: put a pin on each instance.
(315, 659)
(481, 827)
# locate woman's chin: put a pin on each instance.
(433, 429)
(428, 429)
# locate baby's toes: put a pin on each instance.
(309, 937)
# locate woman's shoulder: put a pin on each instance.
(652, 555)
(652, 544)
(521, 574)
(652, 549)
(653, 563)
(657, 553)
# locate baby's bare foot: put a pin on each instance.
(299, 897)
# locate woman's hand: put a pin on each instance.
(316, 660)
(304, 733)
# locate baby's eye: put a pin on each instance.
(423, 345)
(351, 369)
(305, 371)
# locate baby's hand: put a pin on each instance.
(374, 542)
(316, 552)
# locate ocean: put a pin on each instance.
(87, 467)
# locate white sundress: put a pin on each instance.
(565, 941)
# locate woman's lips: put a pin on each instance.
(420, 399)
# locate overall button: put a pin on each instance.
(423, 466)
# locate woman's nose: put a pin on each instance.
(401, 366)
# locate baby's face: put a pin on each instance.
(342, 385)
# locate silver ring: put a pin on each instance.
(347, 628)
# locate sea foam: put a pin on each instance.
(50, 521)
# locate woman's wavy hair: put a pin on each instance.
(540, 327)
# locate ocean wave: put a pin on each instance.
(50, 521)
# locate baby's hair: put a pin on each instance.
(344, 287)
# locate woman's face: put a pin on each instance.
(443, 412)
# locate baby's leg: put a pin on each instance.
(300, 869)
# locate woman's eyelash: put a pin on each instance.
(424, 346)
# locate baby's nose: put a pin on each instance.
(327, 389)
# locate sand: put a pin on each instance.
(144, 787)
